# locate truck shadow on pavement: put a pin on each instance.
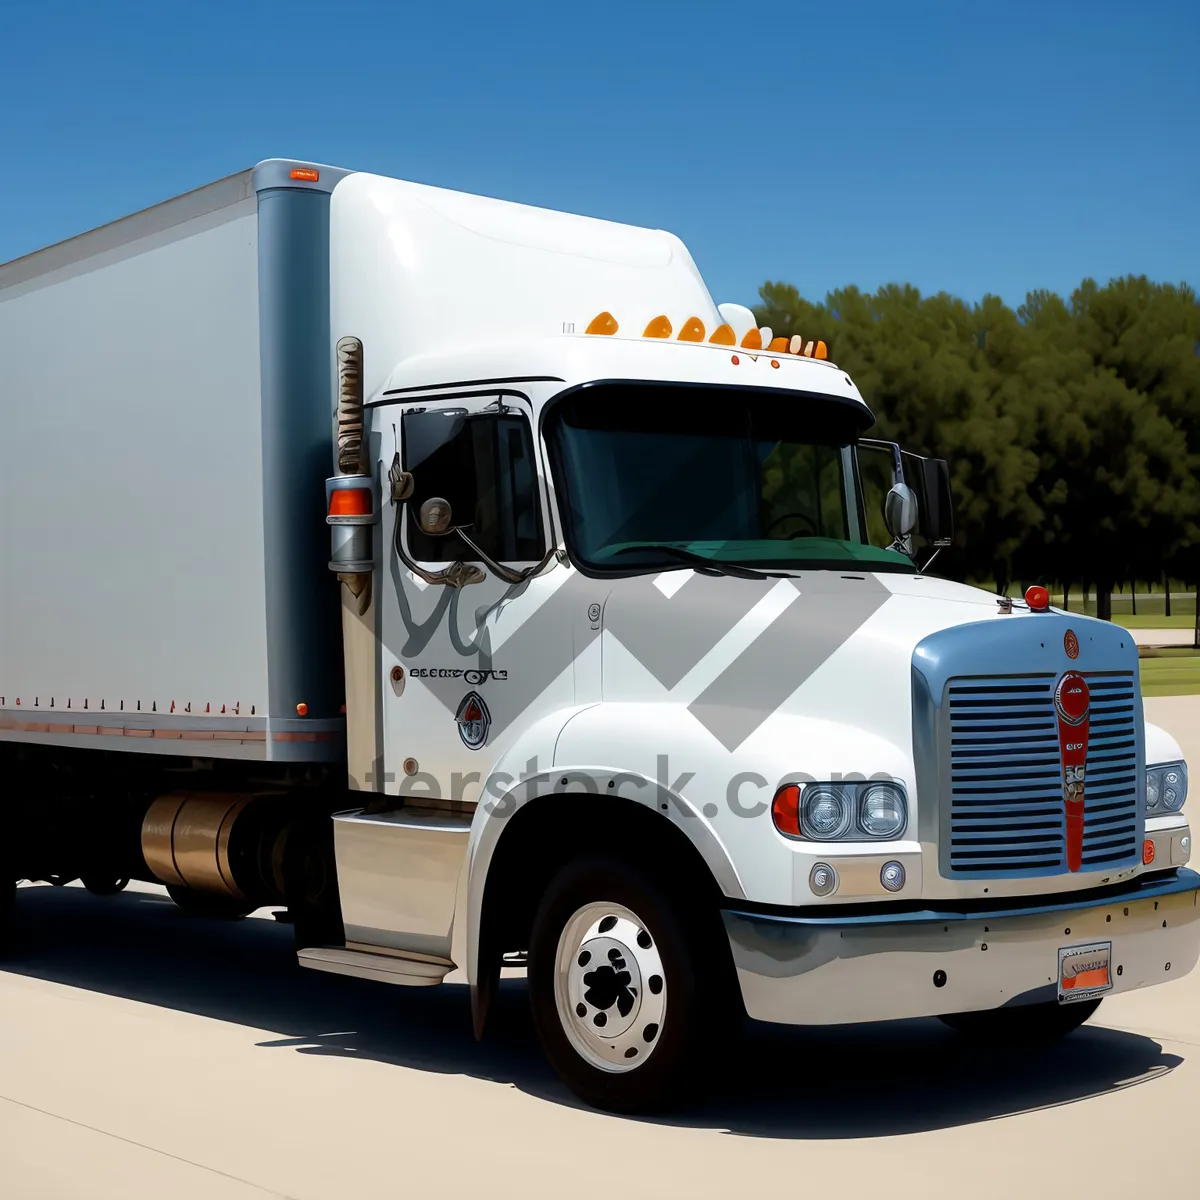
(863, 1081)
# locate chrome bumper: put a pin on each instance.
(879, 966)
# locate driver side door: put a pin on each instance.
(450, 695)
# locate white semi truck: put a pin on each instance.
(459, 577)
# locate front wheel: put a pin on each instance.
(1027, 1024)
(628, 990)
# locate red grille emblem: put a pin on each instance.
(1073, 702)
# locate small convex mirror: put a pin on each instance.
(900, 510)
(434, 516)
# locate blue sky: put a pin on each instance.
(961, 146)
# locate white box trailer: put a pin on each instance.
(166, 384)
(459, 576)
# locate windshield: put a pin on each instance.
(663, 475)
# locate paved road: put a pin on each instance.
(147, 1054)
(1164, 637)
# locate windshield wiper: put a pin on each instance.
(705, 566)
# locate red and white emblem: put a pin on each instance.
(1073, 704)
(474, 721)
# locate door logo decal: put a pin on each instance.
(474, 721)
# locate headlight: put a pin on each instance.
(881, 811)
(1166, 788)
(826, 812)
(830, 812)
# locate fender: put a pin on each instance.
(1161, 746)
(585, 779)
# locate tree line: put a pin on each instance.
(1072, 427)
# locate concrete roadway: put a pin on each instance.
(147, 1054)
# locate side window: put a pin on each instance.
(483, 464)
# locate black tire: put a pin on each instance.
(696, 994)
(1029, 1024)
(102, 885)
(205, 904)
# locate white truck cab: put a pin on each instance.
(627, 693)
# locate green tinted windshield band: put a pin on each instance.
(649, 475)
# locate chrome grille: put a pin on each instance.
(1006, 814)
(1113, 818)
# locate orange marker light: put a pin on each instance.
(1037, 598)
(692, 331)
(350, 502)
(822, 351)
(779, 345)
(775, 363)
(305, 174)
(723, 335)
(1147, 853)
(752, 340)
(785, 810)
(660, 327)
(604, 324)
(302, 709)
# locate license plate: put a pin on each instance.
(1084, 972)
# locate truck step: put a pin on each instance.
(385, 967)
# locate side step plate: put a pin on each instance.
(385, 968)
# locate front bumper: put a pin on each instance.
(879, 966)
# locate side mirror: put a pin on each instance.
(900, 511)
(930, 478)
(434, 517)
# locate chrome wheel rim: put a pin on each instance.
(610, 989)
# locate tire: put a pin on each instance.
(100, 885)
(611, 951)
(1030, 1024)
(205, 904)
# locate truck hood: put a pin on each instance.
(749, 658)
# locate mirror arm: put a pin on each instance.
(506, 573)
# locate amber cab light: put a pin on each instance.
(785, 810)
(1037, 598)
(350, 502)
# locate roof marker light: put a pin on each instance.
(604, 324)
(723, 335)
(692, 331)
(660, 327)
(796, 345)
(1037, 598)
(779, 345)
(305, 174)
(752, 340)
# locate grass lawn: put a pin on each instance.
(1174, 621)
(1170, 672)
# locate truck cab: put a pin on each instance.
(647, 687)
